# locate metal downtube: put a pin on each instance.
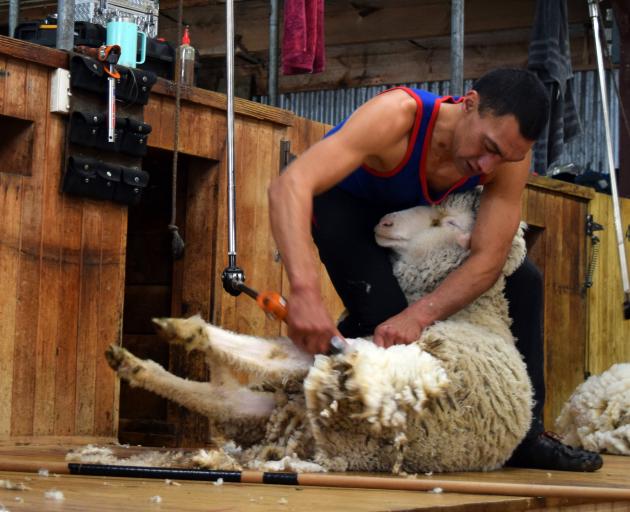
(594, 15)
(229, 54)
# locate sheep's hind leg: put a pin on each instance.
(217, 402)
(273, 360)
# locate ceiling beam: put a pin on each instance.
(396, 20)
(395, 63)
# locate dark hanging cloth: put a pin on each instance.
(550, 59)
(303, 49)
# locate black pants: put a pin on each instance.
(361, 272)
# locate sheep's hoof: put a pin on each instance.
(123, 362)
(189, 332)
(115, 356)
(173, 329)
(165, 328)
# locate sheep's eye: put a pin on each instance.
(435, 222)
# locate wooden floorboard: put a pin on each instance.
(84, 493)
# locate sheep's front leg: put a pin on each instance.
(272, 360)
(218, 402)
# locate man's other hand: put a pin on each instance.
(402, 329)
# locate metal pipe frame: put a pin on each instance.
(14, 9)
(65, 24)
(229, 57)
(272, 85)
(594, 15)
(457, 48)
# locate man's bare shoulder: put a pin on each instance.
(397, 102)
(385, 117)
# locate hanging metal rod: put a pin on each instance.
(229, 9)
(232, 274)
(272, 88)
(457, 48)
(623, 264)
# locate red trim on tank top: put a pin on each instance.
(427, 140)
(412, 140)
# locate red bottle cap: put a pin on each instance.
(186, 36)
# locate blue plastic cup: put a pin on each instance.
(133, 43)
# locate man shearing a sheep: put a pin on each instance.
(403, 148)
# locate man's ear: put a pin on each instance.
(471, 100)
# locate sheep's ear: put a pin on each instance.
(463, 239)
(453, 221)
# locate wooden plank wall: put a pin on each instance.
(556, 219)
(62, 264)
(257, 160)
(200, 134)
(608, 340)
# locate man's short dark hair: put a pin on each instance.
(518, 92)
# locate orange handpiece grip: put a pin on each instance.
(273, 304)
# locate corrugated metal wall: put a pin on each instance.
(587, 150)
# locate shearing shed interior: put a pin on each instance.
(315, 255)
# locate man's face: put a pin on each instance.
(482, 142)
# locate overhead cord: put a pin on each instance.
(177, 244)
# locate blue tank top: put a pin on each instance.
(405, 185)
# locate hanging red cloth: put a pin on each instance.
(303, 49)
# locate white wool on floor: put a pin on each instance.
(10, 486)
(54, 495)
(597, 415)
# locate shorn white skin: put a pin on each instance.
(457, 399)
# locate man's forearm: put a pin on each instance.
(290, 211)
(459, 289)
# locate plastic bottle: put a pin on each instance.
(186, 60)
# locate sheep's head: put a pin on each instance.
(414, 233)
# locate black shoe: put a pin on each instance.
(546, 451)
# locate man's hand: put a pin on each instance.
(404, 328)
(310, 325)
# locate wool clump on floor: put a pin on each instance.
(54, 495)
(10, 486)
(597, 415)
(457, 399)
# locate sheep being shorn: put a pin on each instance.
(597, 415)
(457, 399)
